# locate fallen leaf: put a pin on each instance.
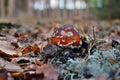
(25, 60)
(3, 74)
(9, 66)
(44, 72)
(11, 38)
(35, 48)
(116, 38)
(6, 49)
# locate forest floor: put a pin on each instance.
(27, 52)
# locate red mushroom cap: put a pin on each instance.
(66, 36)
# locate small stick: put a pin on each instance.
(92, 44)
(94, 37)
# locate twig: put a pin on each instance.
(94, 37)
(91, 45)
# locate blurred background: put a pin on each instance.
(61, 11)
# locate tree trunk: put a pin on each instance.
(64, 12)
(29, 8)
(48, 8)
(74, 7)
(11, 7)
(39, 12)
(2, 7)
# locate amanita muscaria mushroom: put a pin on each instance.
(66, 36)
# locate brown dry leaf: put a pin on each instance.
(118, 31)
(3, 74)
(27, 49)
(9, 66)
(11, 38)
(6, 49)
(23, 37)
(38, 29)
(35, 48)
(17, 74)
(25, 60)
(116, 38)
(50, 72)
(44, 72)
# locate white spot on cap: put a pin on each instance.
(62, 32)
(69, 34)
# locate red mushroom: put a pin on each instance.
(66, 36)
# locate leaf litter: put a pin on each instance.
(27, 53)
